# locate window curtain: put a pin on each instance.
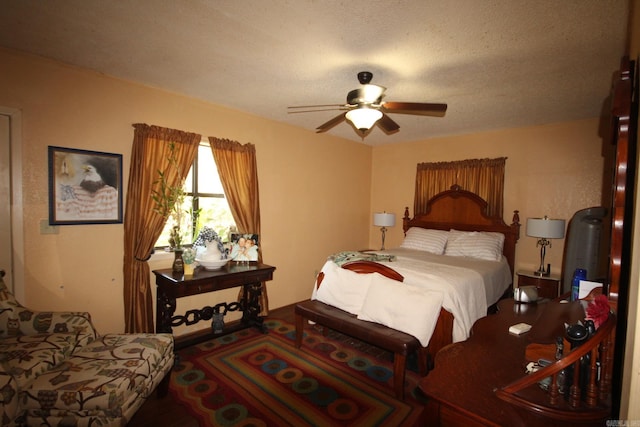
(484, 177)
(142, 226)
(238, 170)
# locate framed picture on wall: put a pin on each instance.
(244, 247)
(85, 187)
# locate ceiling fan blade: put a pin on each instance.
(417, 108)
(331, 123)
(388, 125)
(317, 106)
(319, 109)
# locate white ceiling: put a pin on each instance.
(496, 63)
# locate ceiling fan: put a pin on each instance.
(365, 108)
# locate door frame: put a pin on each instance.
(16, 212)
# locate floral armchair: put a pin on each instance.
(56, 370)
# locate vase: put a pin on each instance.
(188, 269)
(178, 263)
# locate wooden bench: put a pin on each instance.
(399, 343)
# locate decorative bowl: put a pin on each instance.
(211, 264)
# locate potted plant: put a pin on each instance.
(168, 203)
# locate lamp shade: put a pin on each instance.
(363, 118)
(384, 219)
(545, 228)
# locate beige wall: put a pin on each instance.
(312, 202)
(551, 170)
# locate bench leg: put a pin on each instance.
(299, 330)
(399, 362)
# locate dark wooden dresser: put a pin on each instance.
(460, 390)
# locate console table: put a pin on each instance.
(460, 390)
(171, 286)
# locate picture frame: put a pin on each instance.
(85, 187)
(244, 247)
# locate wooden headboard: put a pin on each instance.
(463, 210)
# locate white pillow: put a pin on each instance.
(427, 240)
(407, 308)
(475, 244)
(341, 288)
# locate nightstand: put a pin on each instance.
(548, 286)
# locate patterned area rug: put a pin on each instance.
(253, 379)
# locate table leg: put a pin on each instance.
(165, 308)
(251, 306)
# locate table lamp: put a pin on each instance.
(384, 220)
(544, 229)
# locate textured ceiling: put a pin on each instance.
(496, 63)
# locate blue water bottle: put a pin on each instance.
(580, 274)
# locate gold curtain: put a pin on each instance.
(142, 226)
(484, 177)
(238, 170)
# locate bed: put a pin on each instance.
(450, 316)
(457, 209)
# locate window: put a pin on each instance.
(204, 196)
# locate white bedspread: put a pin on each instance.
(468, 285)
(496, 276)
(376, 298)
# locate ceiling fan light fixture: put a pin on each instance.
(363, 118)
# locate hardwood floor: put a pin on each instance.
(167, 413)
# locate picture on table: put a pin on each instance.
(244, 247)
